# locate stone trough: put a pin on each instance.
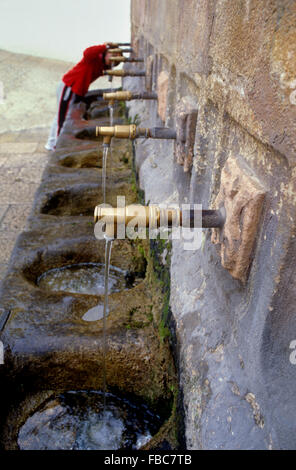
(50, 346)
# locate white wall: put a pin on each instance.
(61, 29)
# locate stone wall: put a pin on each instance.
(234, 309)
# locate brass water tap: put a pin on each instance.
(128, 95)
(124, 73)
(126, 132)
(155, 217)
(117, 96)
(132, 132)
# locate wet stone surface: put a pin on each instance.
(78, 421)
(53, 339)
(83, 278)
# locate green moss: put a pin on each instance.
(145, 314)
(163, 331)
(123, 112)
(135, 120)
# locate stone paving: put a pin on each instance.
(22, 160)
(26, 111)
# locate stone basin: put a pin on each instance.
(100, 109)
(81, 199)
(56, 351)
(51, 349)
(92, 158)
(76, 420)
(73, 256)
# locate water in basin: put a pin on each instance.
(76, 421)
(82, 278)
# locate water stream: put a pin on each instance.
(108, 249)
(104, 170)
(111, 113)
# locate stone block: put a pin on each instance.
(162, 93)
(186, 118)
(242, 196)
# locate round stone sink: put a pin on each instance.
(83, 278)
(77, 420)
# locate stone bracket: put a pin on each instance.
(242, 196)
(186, 119)
(162, 94)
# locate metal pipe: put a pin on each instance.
(118, 95)
(162, 133)
(210, 218)
(118, 50)
(124, 73)
(120, 58)
(128, 95)
(117, 44)
(145, 95)
(126, 132)
(121, 132)
(132, 132)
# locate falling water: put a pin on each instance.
(104, 172)
(108, 248)
(111, 114)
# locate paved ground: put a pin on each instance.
(22, 160)
(26, 112)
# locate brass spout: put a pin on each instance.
(146, 215)
(120, 51)
(118, 95)
(118, 59)
(123, 73)
(132, 132)
(128, 95)
(126, 132)
(117, 44)
(155, 217)
(115, 50)
(121, 132)
(106, 141)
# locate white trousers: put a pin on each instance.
(53, 135)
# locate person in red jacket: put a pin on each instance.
(75, 83)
